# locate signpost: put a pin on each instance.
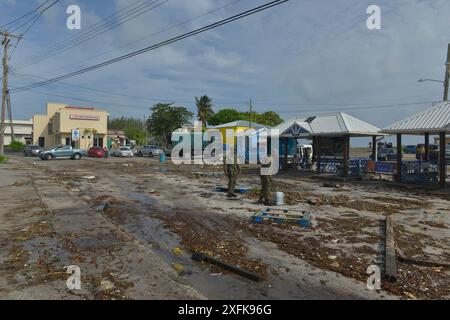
(75, 135)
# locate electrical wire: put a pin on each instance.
(158, 45)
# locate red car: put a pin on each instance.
(96, 152)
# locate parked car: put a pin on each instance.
(96, 152)
(410, 149)
(386, 155)
(62, 152)
(149, 150)
(32, 150)
(122, 152)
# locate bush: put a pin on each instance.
(16, 146)
(3, 159)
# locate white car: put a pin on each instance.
(122, 152)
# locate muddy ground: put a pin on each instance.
(132, 225)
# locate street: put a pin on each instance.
(131, 226)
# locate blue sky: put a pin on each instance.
(302, 57)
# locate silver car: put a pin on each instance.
(122, 152)
(149, 150)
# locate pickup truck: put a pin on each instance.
(62, 152)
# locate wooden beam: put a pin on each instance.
(442, 161)
(317, 143)
(398, 177)
(390, 258)
(286, 145)
(374, 148)
(346, 155)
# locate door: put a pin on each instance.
(68, 142)
(42, 142)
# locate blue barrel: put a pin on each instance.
(162, 158)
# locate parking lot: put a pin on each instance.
(131, 225)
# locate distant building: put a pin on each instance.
(23, 131)
(238, 126)
(116, 138)
(56, 126)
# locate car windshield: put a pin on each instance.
(124, 149)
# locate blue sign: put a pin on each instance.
(75, 134)
(385, 167)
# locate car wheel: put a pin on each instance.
(150, 155)
(140, 154)
(77, 156)
(48, 157)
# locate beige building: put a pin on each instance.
(23, 130)
(61, 120)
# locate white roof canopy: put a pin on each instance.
(332, 124)
(433, 120)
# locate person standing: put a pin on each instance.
(265, 195)
(421, 152)
(232, 171)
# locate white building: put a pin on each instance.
(23, 131)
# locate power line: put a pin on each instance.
(158, 45)
(101, 28)
(25, 15)
(34, 18)
(151, 35)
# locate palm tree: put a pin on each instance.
(204, 109)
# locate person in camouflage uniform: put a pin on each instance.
(265, 195)
(232, 171)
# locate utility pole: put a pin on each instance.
(8, 105)
(5, 44)
(250, 105)
(447, 74)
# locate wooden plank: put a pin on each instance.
(390, 259)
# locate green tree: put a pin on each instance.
(225, 116)
(165, 119)
(269, 118)
(204, 109)
(133, 128)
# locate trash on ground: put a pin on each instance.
(200, 257)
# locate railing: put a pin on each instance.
(419, 171)
(356, 166)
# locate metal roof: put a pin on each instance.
(331, 124)
(434, 119)
(239, 123)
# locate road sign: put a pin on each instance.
(75, 134)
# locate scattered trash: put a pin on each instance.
(209, 174)
(178, 266)
(106, 285)
(310, 201)
(88, 177)
(200, 257)
(177, 250)
(216, 274)
(240, 190)
(332, 257)
(105, 205)
(279, 198)
(304, 219)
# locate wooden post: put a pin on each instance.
(442, 161)
(391, 257)
(286, 145)
(427, 146)
(346, 159)
(399, 157)
(374, 148)
(317, 143)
